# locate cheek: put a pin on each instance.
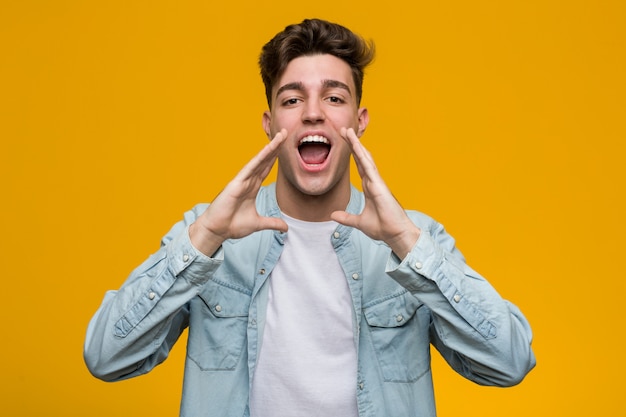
(288, 160)
(347, 119)
(283, 119)
(342, 151)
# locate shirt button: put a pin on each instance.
(361, 385)
(262, 271)
(218, 308)
(418, 265)
(336, 235)
(456, 298)
(185, 258)
(151, 295)
(355, 276)
(399, 318)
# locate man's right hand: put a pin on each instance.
(233, 213)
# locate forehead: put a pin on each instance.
(313, 70)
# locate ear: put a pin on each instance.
(364, 119)
(267, 121)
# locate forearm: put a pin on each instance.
(136, 326)
(482, 336)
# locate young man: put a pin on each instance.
(307, 297)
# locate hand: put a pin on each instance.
(233, 213)
(382, 218)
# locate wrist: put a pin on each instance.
(402, 244)
(204, 240)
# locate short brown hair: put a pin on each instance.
(311, 37)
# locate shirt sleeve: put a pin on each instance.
(482, 336)
(135, 327)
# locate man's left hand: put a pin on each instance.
(382, 217)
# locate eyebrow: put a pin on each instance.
(336, 84)
(298, 86)
(290, 86)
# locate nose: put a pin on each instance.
(313, 112)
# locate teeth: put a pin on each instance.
(314, 139)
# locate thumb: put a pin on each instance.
(345, 218)
(272, 223)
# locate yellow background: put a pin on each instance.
(502, 119)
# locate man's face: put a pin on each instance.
(313, 100)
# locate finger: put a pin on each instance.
(362, 157)
(272, 153)
(345, 218)
(261, 164)
(355, 153)
(359, 149)
(272, 223)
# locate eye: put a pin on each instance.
(335, 99)
(291, 101)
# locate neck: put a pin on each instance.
(312, 208)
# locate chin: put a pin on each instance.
(318, 188)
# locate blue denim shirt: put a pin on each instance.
(400, 308)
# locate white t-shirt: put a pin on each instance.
(307, 362)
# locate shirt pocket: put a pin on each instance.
(218, 327)
(399, 328)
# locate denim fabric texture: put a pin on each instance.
(400, 309)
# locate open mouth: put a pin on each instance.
(314, 149)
